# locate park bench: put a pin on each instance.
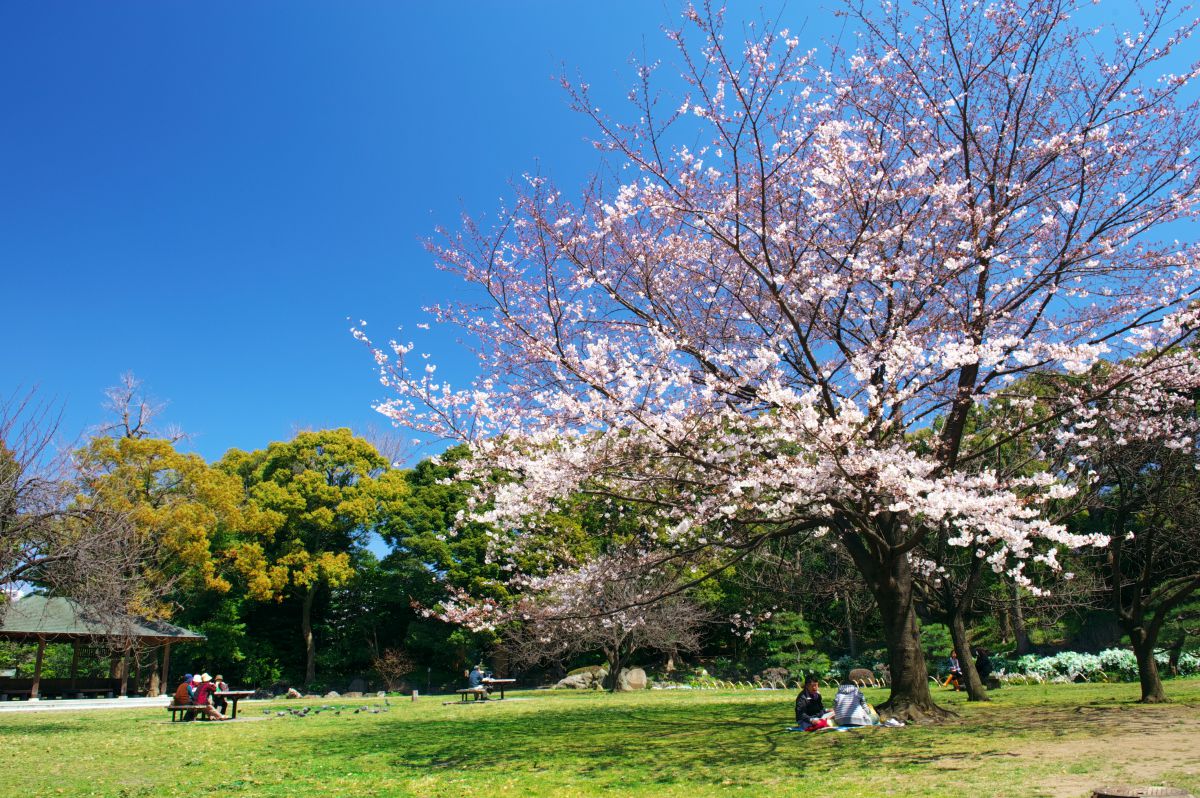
(179, 711)
(480, 693)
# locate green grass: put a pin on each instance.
(1038, 740)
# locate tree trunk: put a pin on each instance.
(614, 670)
(891, 583)
(1143, 649)
(962, 644)
(1004, 618)
(1176, 653)
(37, 670)
(851, 638)
(1018, 623)
(310, 644)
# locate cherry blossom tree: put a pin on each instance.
(617, 604)
(801, 258)
(1136, 457)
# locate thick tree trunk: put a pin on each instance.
(1143, 649)
(910, 699)
(962, 644)
(310, 644)
(614, 670)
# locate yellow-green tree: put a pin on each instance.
(331, 489)
(185, 520)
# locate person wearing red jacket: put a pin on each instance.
(204, 698)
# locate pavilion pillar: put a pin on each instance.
(74, 663)
(37, 670)
(164, 683)
(124, 674)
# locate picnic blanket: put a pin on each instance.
(890, 724)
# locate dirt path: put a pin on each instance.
(1151, 745)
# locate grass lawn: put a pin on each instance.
(1059, 740)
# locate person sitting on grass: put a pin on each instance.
(204, 696)
(810, 709)
(850, 708)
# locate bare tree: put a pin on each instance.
(35, 488)
(392, 666)
(134, 411)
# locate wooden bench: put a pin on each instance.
(480, 693)
(179, 711)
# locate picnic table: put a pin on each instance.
(497, 684)
(481, 692)
(233, 696)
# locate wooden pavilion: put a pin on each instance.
(45, 619)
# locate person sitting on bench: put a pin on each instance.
(954, 678)
(204, 696)
(183, 696)
(475, 678)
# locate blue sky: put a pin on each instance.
(204, 192)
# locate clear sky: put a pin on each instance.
(204, 192)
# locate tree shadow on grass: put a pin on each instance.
(44, 727)
(706, 743)
(689, 742)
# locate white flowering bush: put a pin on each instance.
(1113, 664)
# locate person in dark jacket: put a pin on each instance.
(983, 664)
(183, 696)
(809, 706)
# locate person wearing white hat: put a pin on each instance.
(204, 697)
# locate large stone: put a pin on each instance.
(353, 694)
(631, 679)
(293, 692)
(333, 694)
(589, 678)
(862, 676)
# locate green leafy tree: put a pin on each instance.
(331, 489)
